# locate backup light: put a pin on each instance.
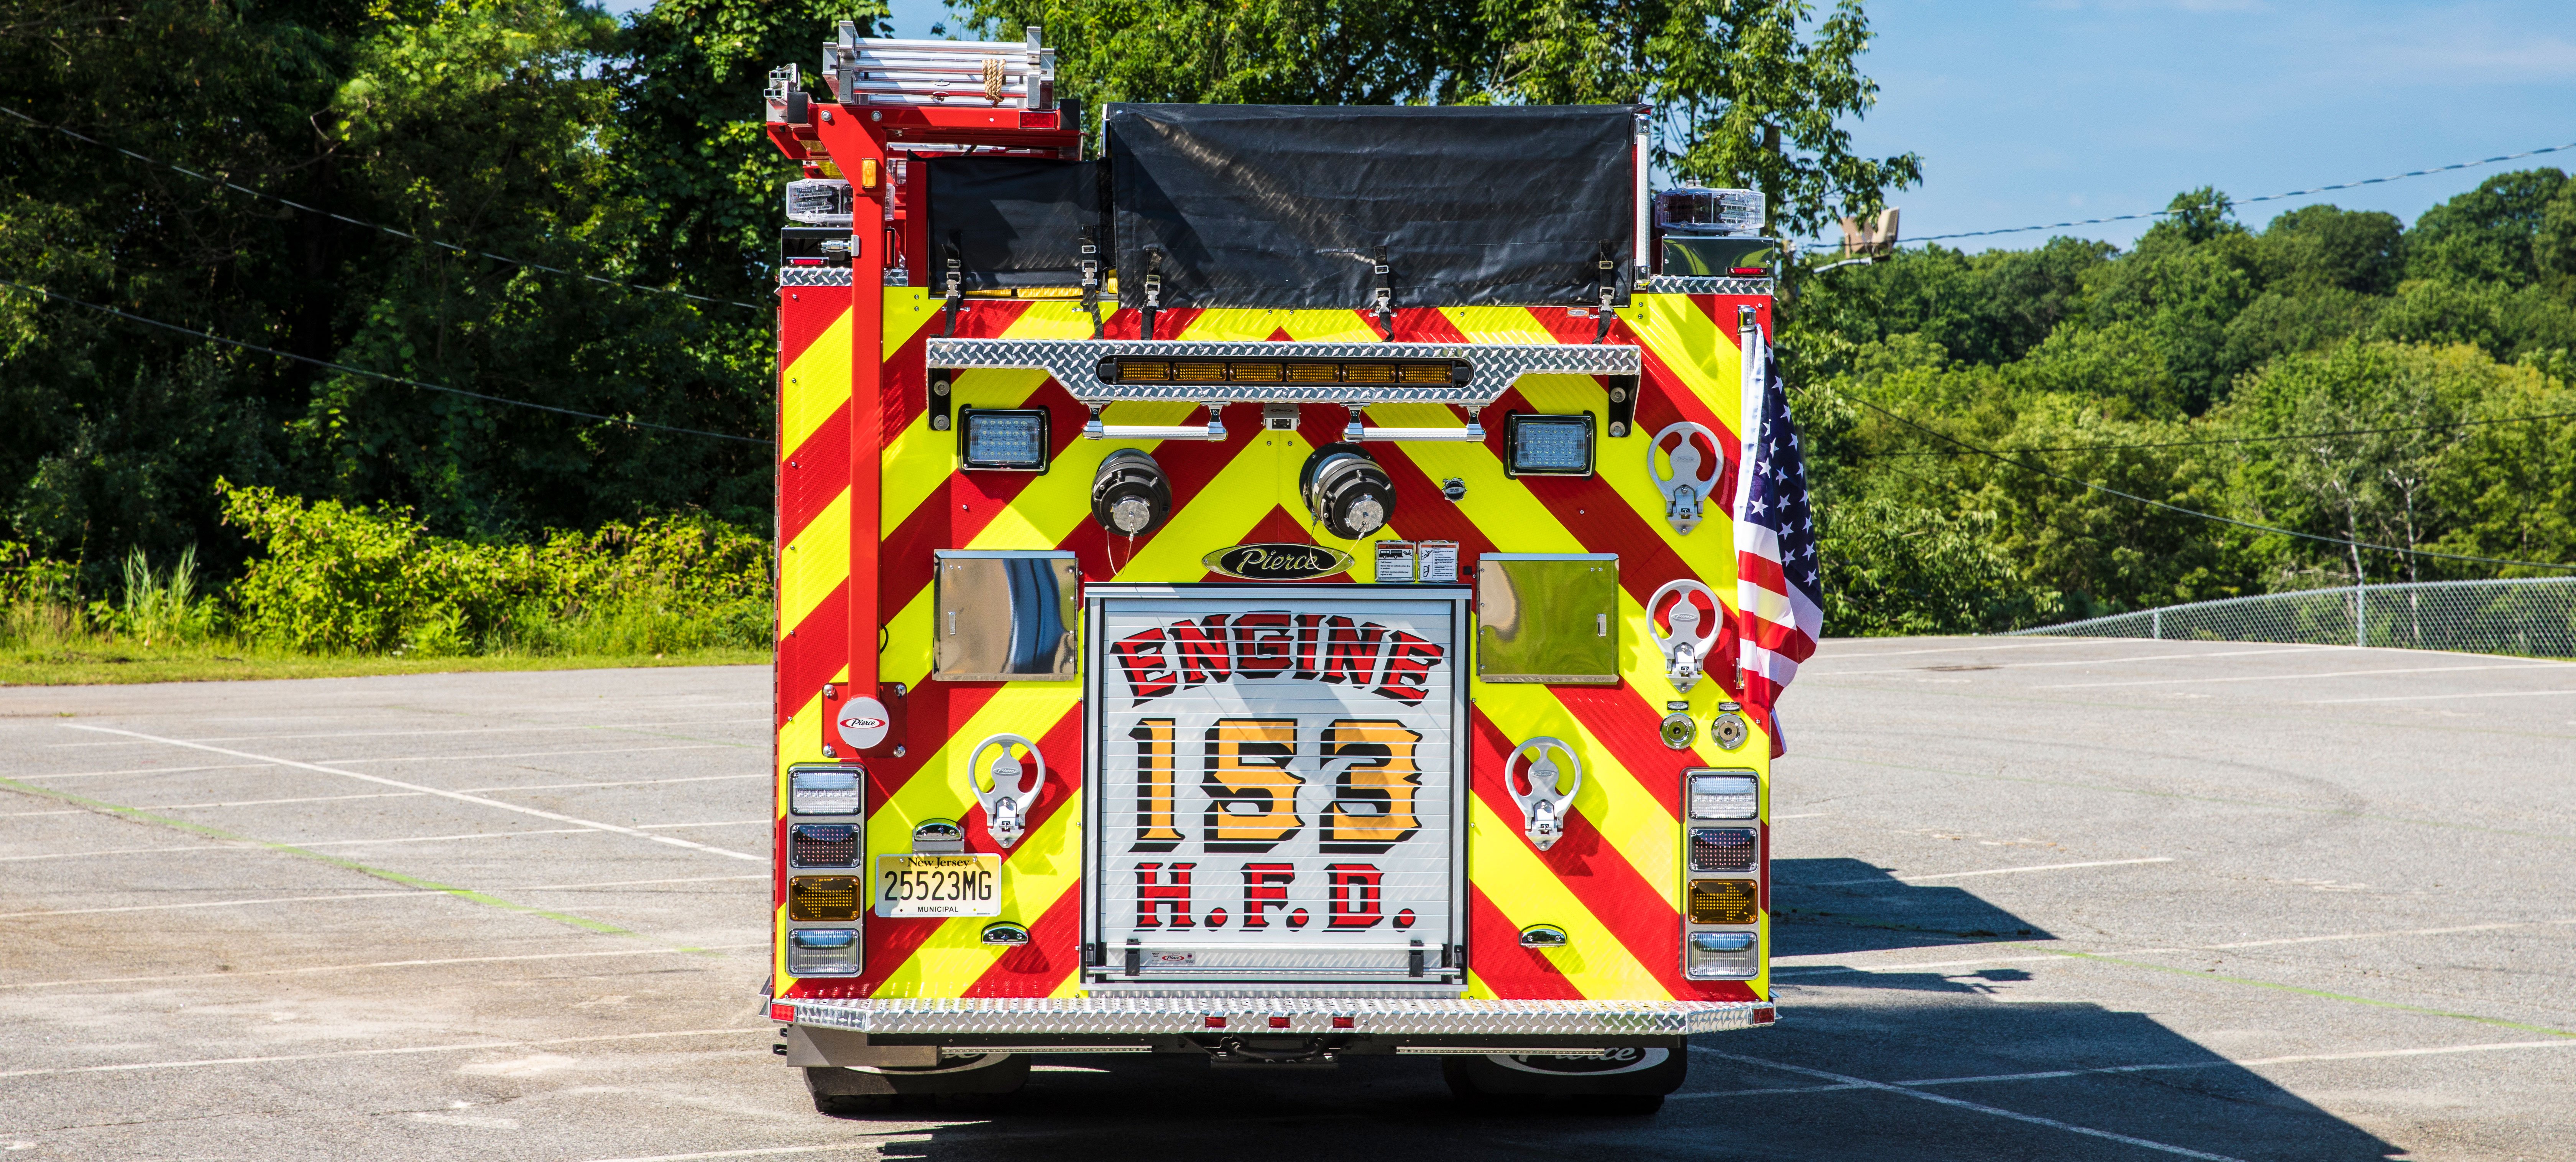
(1719, 955)
(1549, 445)
(1721, 849)
(1717, 796)
(823, 952)
(828, 898)
(1003, 439)
(837, 845)
(827, 792)
(1721, 902)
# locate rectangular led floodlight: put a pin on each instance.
(1003, 439)
(823, 792)
(1549, 445)
(837, 845)
(1720, 955)
(1723, 796)
(823, 952)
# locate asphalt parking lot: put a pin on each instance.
(2039, 899)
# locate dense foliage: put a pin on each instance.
(2335, 373)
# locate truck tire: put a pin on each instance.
(1628, 1081)
(977, 1082)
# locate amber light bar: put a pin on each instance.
(1375, 371)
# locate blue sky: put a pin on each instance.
(2037, 111)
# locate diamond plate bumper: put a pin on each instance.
(1688, 284)
(1074, 363)
(1175, 1016)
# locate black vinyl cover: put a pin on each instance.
(1284, 206)
(1014, 221)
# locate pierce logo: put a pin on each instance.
(863, 722)
(1278, 562)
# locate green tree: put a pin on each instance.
(2485, 235)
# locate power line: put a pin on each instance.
(343, 367)
(2412, 173)
(2193, 512)
(2247, 439)
(399, 233)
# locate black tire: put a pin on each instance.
(1630, 1081)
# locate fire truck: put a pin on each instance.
(1255, 584)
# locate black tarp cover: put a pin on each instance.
(1015, 221)
(1285, 206)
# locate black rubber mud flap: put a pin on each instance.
(1629, 1080)
(855, 1089)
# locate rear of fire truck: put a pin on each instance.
(1265, 592)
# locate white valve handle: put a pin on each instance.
(1686, 647)
(1007, 801)
(1686, 491)
(1543, 808)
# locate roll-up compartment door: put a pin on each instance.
(1280, 788)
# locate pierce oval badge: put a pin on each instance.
(1277, 562)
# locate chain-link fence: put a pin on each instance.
(2533, 617)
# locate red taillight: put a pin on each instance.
(779, 1012)
(1216, 1022)
(1765, 1016)
(1278, 1022)
(1346, 1022)
(1748, 271)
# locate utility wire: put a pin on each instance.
(399, 233)
(343, 367)
(2193, 512)
(2412, 173)
(2246, 439)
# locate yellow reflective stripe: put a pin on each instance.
(1497, 324)
(816, 383)
(1497, 505)
(1051, 319)
(815, 562)
(1635, 825)
(907, 653)
(1227, 324)
(1702, 354)
(1328, 327)
(937, 790)
(907, 311)
(1527, 893)
(955, 954)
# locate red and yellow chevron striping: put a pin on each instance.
(1613, 883)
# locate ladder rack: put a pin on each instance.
(972, 74)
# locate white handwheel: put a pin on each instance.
(1686, 491)
(1687, 644)
(1008, 800)
(1543, 806)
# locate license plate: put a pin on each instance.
(939, 885)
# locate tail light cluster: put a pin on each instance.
(825, 835)
(1722, 892)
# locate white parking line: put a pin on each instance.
(138, 771)
(1955, 1103)
(525, 754)
(275, 802)
(481, 730)
(386, 895)
(2031, 645)
(459, 796)
(2248, 1062)
(2313, 674)
(1996, 871)
(717, 823)
(620, 783)
(159, 978)
(770, 1151)
(201, 1063)
(442, 838)
(628, 883)
(2436, 697)
(2075, 956)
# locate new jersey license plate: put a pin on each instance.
(939, 885)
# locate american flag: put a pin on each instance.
(1778, 589)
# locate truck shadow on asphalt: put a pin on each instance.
(1864, 1065)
